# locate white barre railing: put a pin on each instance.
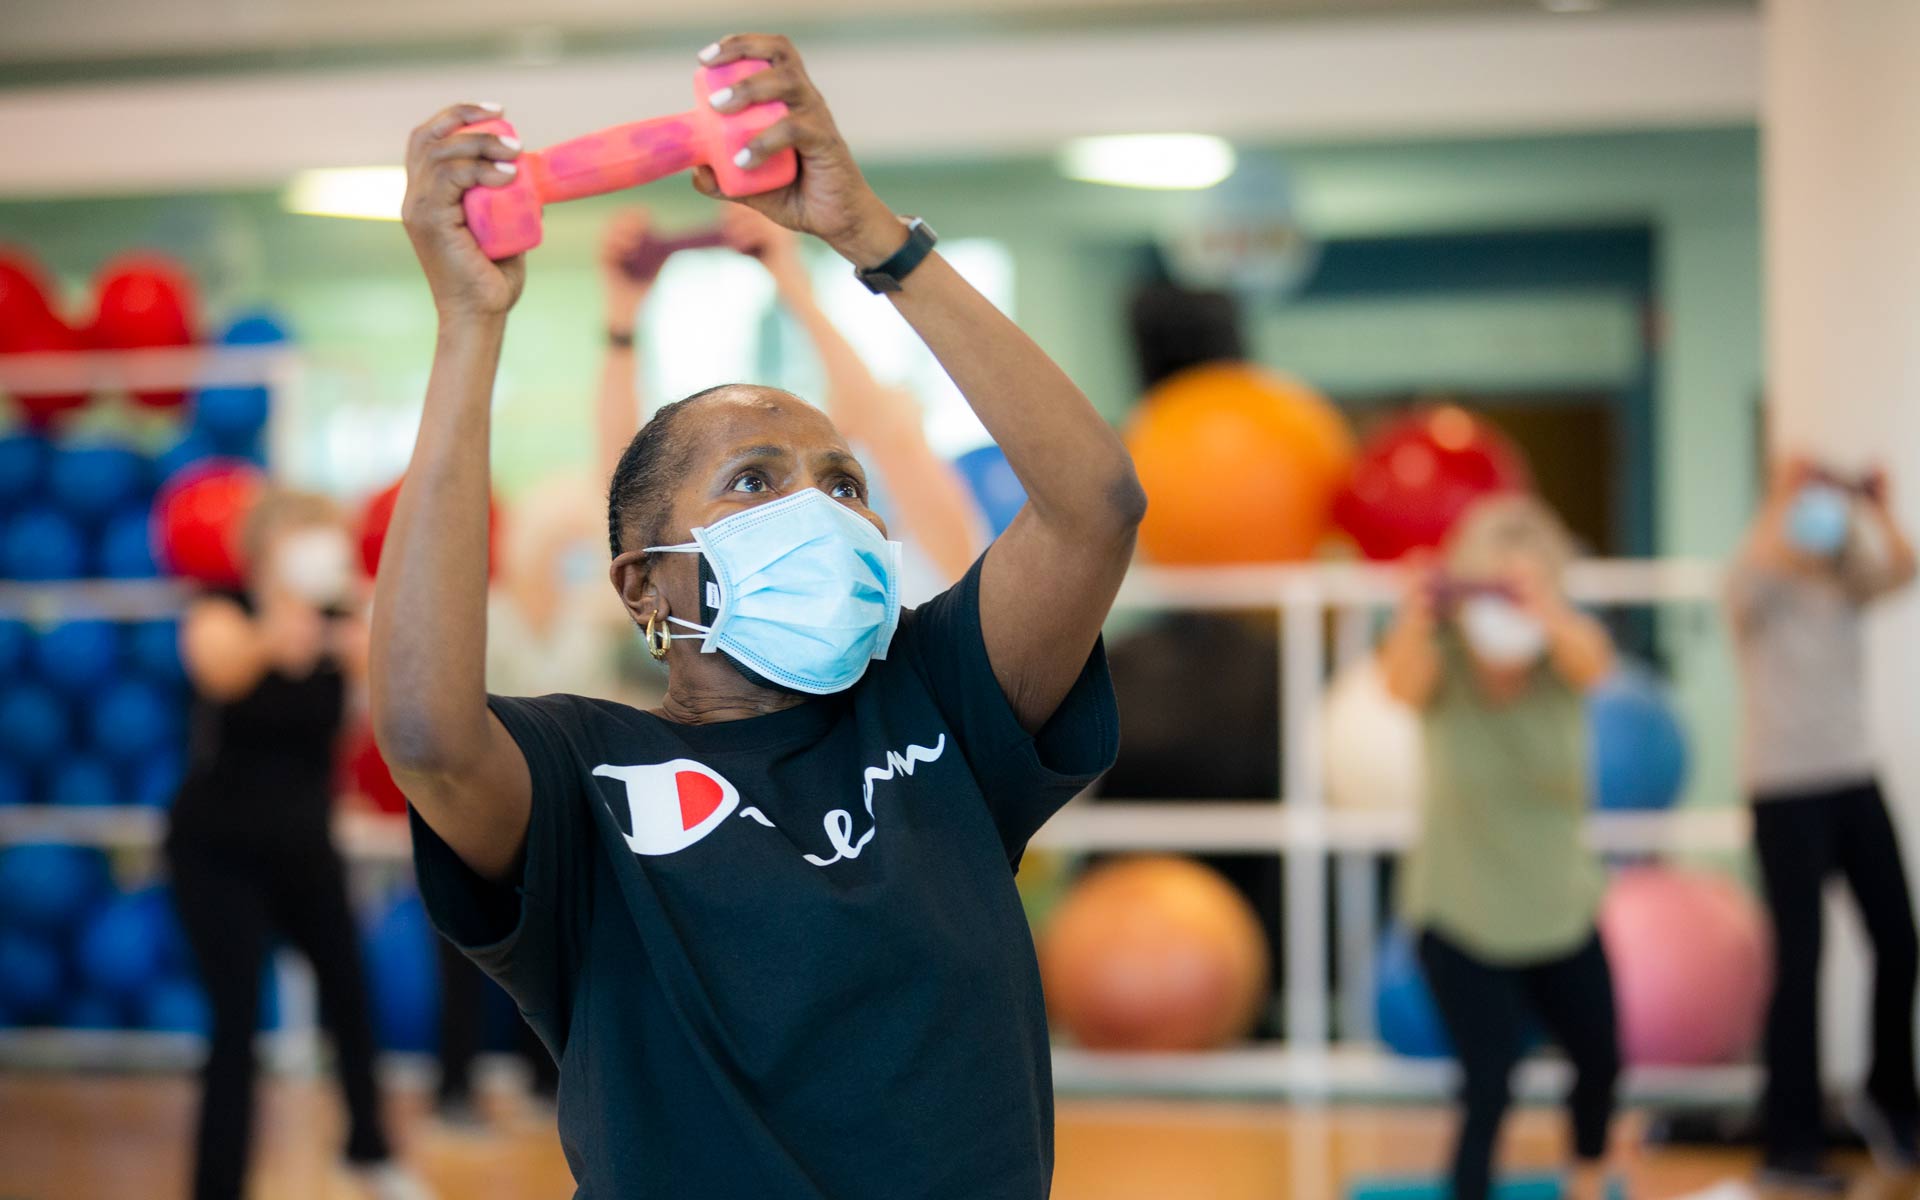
(161, 368)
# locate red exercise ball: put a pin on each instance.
(1154, 954)
(367, 772)
(144, 300)
(39, 330)
(23, 288)
(378, 514)
(1417, 474)
(197, 519)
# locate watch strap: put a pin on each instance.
(888, 275)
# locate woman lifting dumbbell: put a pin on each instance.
(1500, 887)
(249, 844)
(769, 928)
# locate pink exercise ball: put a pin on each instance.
(1691, 965)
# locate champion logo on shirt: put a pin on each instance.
(672, 805)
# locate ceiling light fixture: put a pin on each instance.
(1573, 6)
(365, 193)
(1149, 160)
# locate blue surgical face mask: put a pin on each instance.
(802, 592)
(1818, 520)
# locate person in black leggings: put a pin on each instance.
(1500, 886)
(249, 844)
(1487, 1007)
(1820, 551)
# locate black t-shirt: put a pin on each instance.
(784, 956)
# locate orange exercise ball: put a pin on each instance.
(1154, 954)
(1240, 464)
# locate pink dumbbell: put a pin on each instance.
(506, 220)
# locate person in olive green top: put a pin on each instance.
(1500, 888)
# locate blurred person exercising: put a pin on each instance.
(1500, 888)
(249, 842)
(1821, 550)
(938, 518)
(770, 927)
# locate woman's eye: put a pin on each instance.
(846, 489)
(750, 482)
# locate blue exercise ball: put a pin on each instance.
(83, 781)
(190, 449)
(995, 487)
(16, 786)
(153, 648)
(175, 1005)
(48, 886)
(40, 544)
(257, 327)
(155, 781)
(121, 946)
(162, 920)
(403, 975)
(77, 658)
(231, 417)
(126, 545)
(1403, 1007)
(91, 1010)
(16, 643)
(91, 481)
(23, 467)
(32, 979)
(1638, 750)
(133, 719)
(34, 728)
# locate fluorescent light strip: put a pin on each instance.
(1149, 160)
(364, 193)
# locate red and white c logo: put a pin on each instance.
(672, 805)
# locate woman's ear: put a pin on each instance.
(633, 577)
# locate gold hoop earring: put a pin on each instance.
(658, 640)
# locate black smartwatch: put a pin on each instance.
(887, 276)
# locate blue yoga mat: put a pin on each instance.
(1514, 1187)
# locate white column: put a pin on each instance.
(1841, 170)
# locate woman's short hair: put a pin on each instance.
(1495, 528)
(277, 510)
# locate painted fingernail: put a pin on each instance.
(509, 141)
(711, 52)
(492, 106)
(720, 97)
(744, 158)
(507, 168)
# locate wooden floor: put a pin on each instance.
(125, 1136)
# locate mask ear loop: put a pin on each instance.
(659, 638)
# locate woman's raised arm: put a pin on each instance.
(1049, 580)
(452, 758)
